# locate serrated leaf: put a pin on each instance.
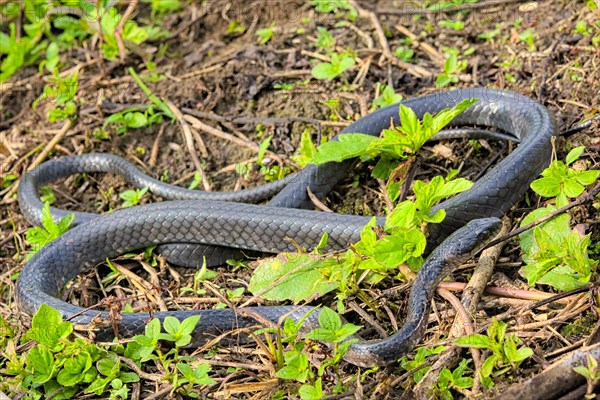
(41, 361)
(397, 248)
(48, 328)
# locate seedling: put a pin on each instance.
(338, 64)
(38, 237)
(132, 197)
(505, 354)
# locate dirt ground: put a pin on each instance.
(222, 76)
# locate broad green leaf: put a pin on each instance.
(172, 325)
(349, 145)
(572, 188)
(475, 340)
(403, 216)
(189, 324)
(323, 71)
(298, 278)
(48, 328)
(309, 392)
(574, 155)
(74, 369)
(397, 248)
(546, 187)
(41, 361)
(587, 177)
(488, 365)
(329, 319)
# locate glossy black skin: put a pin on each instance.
(208, 224)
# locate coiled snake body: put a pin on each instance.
(202, 223)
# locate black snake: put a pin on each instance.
(211, 224)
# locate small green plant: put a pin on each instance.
(306, 149)
(397, 142)
(265, 34)
(591, 372)
(452, 67)
(505, 354)
(192, 377)
(387, 98)
(453, 380)
(555, 255)
(337, 65)
(341, 8)
(236, 28)
(132, 197)
(421, 356)
(582, 28)
(133, 118)
(529, 36)
(456, 25)
(163, 6)
(139, 117)
(325, 40)
(294, 363)
(63, 91)
(489, 35)
(38, 237)
(59, 367)
(404, 53)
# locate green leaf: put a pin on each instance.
(41, 361)
(48, 328)
(404, 216)
(306, 149)
(309, 392)
(109, 366)
(135, 120)
(572, 188)
(263, 149)
(329, 319)
(152, 330)
(397, 248)
(574, 155)
(323, 71)
(172, 325)
(296, 367)
(74, 369)
(475, 340)
(298, 278)
(189, 324)
(409, 122)
(488, 365)
(349, 145)
(587, 177)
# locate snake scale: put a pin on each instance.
(194, 224)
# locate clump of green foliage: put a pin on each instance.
(61, 367)
(555, 255)
(301, 276)
(504, 357)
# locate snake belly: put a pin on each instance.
(200, 224)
